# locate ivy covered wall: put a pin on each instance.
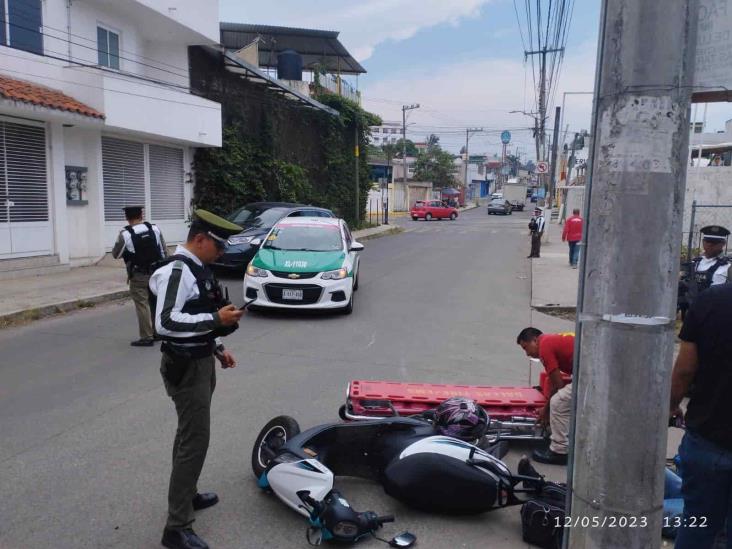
(274, 149)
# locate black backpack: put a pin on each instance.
(533, 225)
(542, 518)
(147, 250)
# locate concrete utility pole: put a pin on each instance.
(553, 177)
(540, 123)
(405, 108)
(627, 294)
(468, 131)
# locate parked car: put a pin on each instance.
(304, 263)
(432, 209)
(257, 219)
(499, 206)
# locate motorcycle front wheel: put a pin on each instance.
(270, 439)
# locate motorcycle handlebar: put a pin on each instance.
(385, 519)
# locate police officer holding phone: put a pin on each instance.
(191, 316)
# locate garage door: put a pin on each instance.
(25, 227)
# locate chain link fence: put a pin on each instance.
(700, 216)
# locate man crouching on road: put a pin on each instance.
(556, 352)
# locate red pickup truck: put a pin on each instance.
(432, 209)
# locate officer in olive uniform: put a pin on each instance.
(141, 245)
(709, 269)
(191, 314)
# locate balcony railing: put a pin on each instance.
(335, 84)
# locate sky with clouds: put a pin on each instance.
(461, 60)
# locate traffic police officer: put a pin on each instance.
(536, 230)
(140, 244)
(709, 269)
(191, 315)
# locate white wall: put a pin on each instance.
(710, 186)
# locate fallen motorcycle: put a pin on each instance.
(408, 456)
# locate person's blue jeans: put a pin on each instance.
(707, 491)
(573, 253)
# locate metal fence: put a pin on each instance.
(702, 215)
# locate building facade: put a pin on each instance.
(95, 114)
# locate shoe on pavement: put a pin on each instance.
(550, 457)
(182, 539)
(202, 501)
(143, 343)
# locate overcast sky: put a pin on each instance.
(461, 60)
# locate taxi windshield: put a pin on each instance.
(305, 238)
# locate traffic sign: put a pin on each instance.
(542, 167)
(505, 137)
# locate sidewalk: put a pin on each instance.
(35, 297)
(553, 281)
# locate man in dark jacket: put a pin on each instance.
(703, 372)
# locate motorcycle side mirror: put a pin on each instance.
(405, 539)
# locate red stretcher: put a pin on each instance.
(513, 411)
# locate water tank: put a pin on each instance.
(289, 65)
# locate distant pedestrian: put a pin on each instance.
(536, 230)
(140, 244)
(572, 235)
(703, 372)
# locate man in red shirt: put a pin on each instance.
(556, 352)
(572, 234)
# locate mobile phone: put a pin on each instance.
(246, 304)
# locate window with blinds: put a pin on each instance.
(123, 176)
(23, 175)
(166, 183)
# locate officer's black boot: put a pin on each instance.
(182, 539)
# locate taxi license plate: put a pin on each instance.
(292, 294)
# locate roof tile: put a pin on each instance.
(35, 94)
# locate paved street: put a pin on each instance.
(87, 429)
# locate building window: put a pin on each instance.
(108, 48)
(375, 130)
(23, 27)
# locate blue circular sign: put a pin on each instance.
(505, 137)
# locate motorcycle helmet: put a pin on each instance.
(462, 418)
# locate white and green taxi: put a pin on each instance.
(305, 263)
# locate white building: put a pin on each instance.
(95, 114)
(387, 133)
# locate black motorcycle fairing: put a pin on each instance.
(359, 449)
(459, 489)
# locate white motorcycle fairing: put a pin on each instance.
(287, 479)
(462, 451)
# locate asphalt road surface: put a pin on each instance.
(86, 428)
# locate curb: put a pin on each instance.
(36, 313)
(387, 232)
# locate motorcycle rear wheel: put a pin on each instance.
(270, 439)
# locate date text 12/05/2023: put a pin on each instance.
(628, 522)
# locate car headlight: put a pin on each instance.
(256, 271)
(240, 239)
(334, 275)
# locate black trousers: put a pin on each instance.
(535, 244)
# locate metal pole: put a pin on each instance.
(465, 174)
(690, 240)
(555, 140)
(626, 314)
(356, 155)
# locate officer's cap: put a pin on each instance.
(132, 212)
(714, 232)
(538, 209)
(217, 226)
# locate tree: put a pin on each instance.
(411, 147)
(435, 165)
(433, 140)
